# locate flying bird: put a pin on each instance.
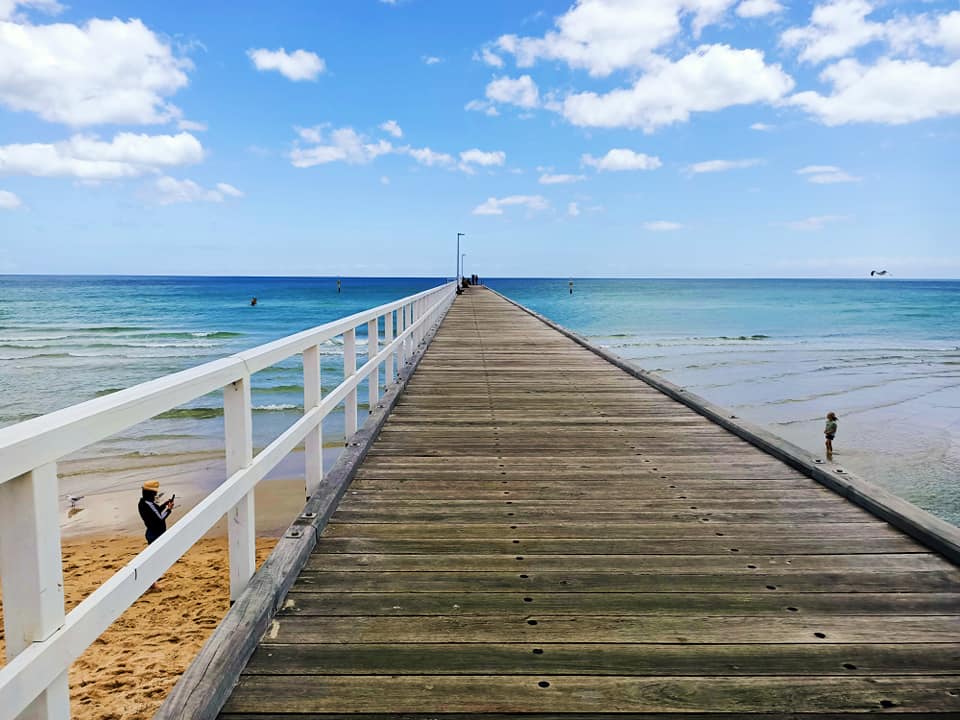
(878, 273)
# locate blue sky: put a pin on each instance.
(680, 138)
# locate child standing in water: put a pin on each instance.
(830, 432)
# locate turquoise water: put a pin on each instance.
(884, 355)
(64, 340)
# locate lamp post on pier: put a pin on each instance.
(462, 256)
(459, 235)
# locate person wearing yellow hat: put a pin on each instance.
(153, 513)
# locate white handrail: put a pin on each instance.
(41, 641)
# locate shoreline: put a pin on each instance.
(109, 489)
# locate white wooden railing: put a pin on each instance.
(41, 641)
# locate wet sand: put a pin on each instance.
(128, 671)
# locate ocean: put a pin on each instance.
(883, 354)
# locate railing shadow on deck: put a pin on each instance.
(41, 641)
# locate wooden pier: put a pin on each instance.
(535, 531)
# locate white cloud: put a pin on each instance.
(391, 127)
(490, 58)
(817, 222)
(168, 190)
(762, 127)
(838, 27)
(521, 91)
(559, 179)
(428, 157)
(192, 126)
(622, 159)
(948, 31)
(661, 226)
(486, 159)
(105, 71)
(712, 78)
(340, 145)
(229, 190)
(758, 8)
(89, 158)
(892, 92)
(8, 8)
(602, 36)
(826, 174)
(431, 60)
(494, 206)
(296, 66)
(9, 201)
(573, 209)
(710, 166)
(384, 180)
(482, 106)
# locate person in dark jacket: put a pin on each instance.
(154, 514)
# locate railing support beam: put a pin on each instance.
(350, 368)
(32, 569)
(241, 520)
(373, 347)
(313, 443)
(388, 372)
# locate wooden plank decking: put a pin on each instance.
(537, 532)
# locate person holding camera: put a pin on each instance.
(154, 513)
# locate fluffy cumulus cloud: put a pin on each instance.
(573, 209)
(391, 127)
(622, 159)
(495, 206)
(601, 36)
(711, 78)
(338, 145)
(485, 159)
(87, 157)
(298, 65)
(168, 191)
(891, 91)
(712, 166)
(9, 201)
(105, 71)
(661, 226)
(758, 8)
(427, 156)
(826, 174)
(521, 91)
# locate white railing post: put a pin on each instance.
(241, 520)
(313, 443)
(32, 570)
(373, 347)
(402, 323)
(388, 376)
(350, 368)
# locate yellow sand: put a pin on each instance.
(129, 670)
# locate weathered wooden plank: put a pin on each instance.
(617, 629)
(673, 529)
(505, 694)
(618, 581)
(844, 660)
(469, 602)
(712, 545)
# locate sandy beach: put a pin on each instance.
(127, 672)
